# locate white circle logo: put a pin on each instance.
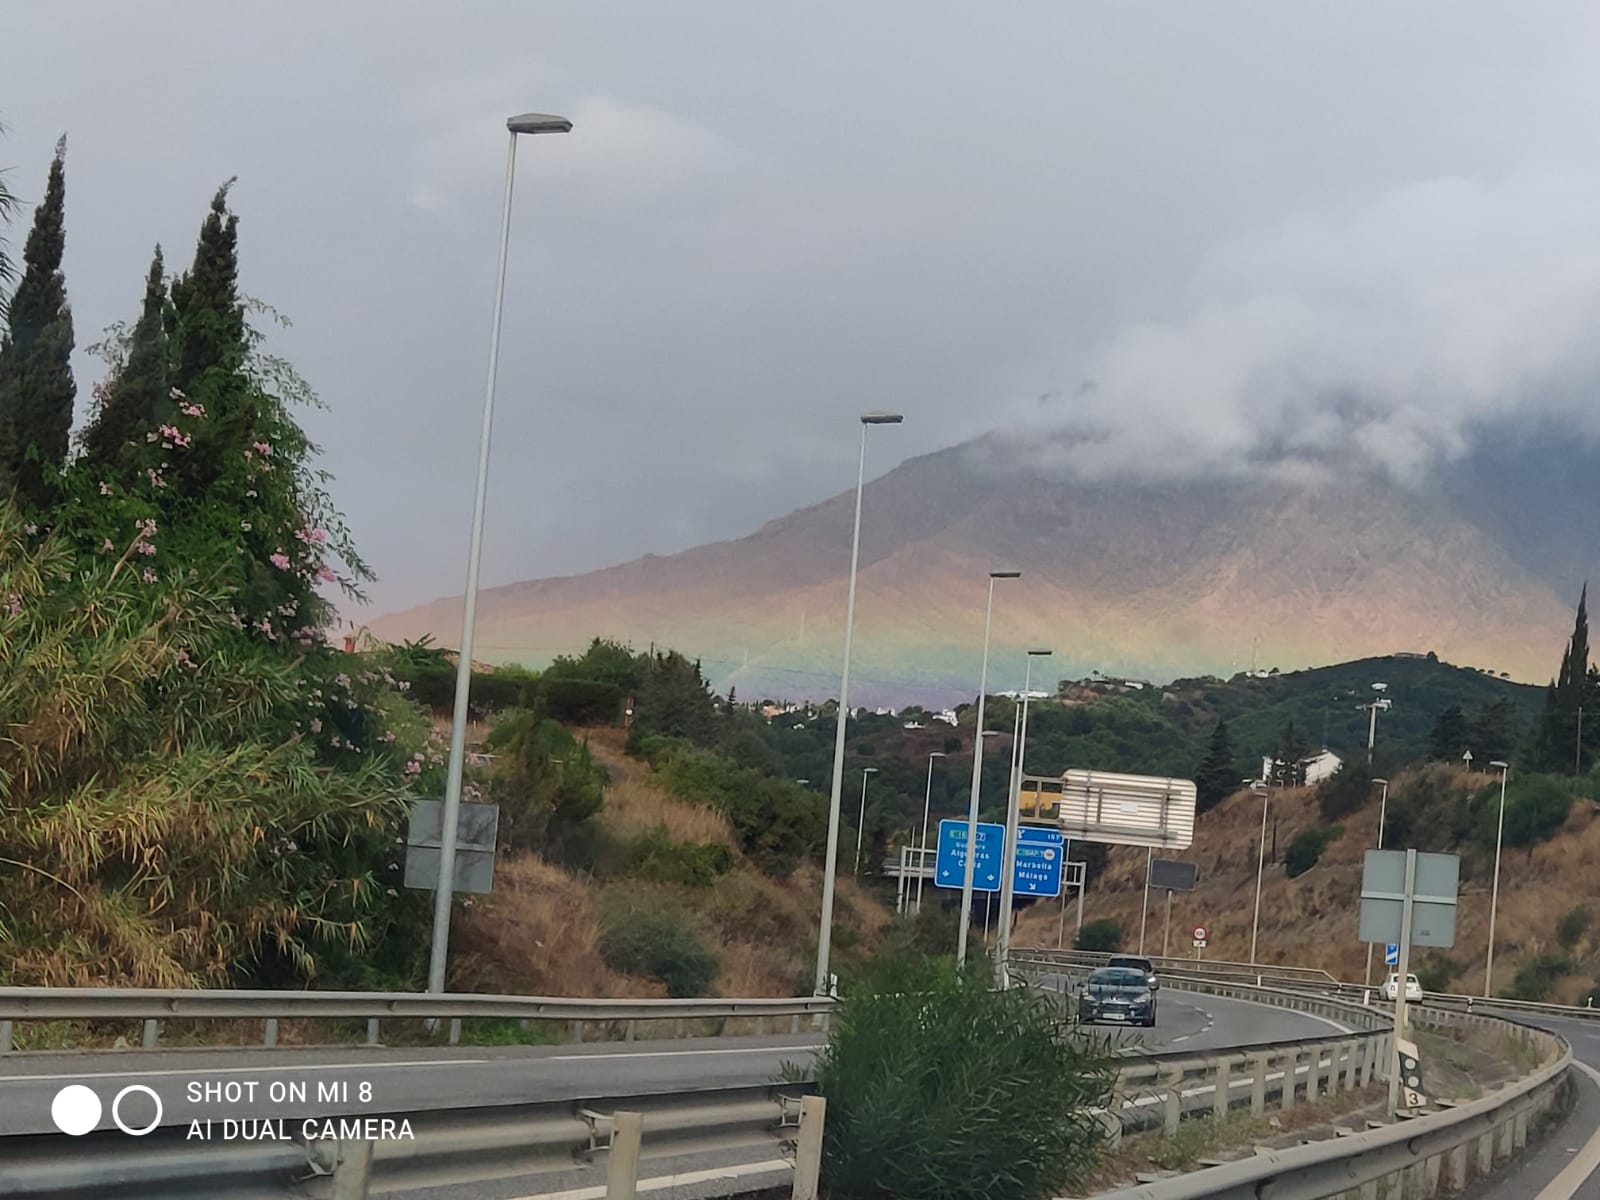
(1049, 856)
(75, 1110)
(116, 1109)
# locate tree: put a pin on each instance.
(1494, 732)
(206, 323)
(1217, 776)
(1288, 761)
(1450, 736)
(136, 399)
(8, 209)
(1553, 746)
(36, 387)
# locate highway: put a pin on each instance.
(297, 1083)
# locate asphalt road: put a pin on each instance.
(1564, 1165)
(295, 1083)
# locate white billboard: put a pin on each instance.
(1121, 810)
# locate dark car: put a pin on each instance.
(1137, 962)
(1119, 994)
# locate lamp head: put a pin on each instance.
(879, 417)
(538, 123)
(1005, 574)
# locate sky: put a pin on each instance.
(1195, 237)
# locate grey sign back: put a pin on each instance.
(477, 828)
(1433, 906)
(1173, 875)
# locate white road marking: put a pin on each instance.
(676, 1054)
(1576, 1172)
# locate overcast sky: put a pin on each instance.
(1254, 226)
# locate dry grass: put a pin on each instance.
(539, 932)
(1311, 921)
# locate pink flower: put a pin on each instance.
(106, 545)
(280, 560)
(149, 576)
(342, 679)
(263, 448)
(148, 525)
(182, 658)
(30, 528)
(144, 548)
(312, 536)
(13, 606)
(325, 575)
(316, 725)
(389, 737)
(194, 410)
(105, 489)
(155, 479)
(413, 767)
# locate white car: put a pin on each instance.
(1391, 988)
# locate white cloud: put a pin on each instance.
(1393, 330)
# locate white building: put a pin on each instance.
(1318, 767)
(948, 716)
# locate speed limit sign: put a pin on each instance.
(1199, 937)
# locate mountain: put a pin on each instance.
(1479, 564)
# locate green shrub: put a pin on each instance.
(656, 857)
(581, 701)
(1571, 928)
(778, 822)
(1346, 792)
(952, 744)
(1306, 850)
(1103, 935)
(1435, 971)
(1536, 806)
(658, 943)
(1535, 978)
(941, 1088)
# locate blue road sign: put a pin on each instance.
(1038, 865)
(1037, 869)
(1391, 955)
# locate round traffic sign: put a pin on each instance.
(1199, 933)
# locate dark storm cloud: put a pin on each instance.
(1253, 226)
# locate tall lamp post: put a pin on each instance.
(836, 789)
(1008, 858)
(927, 800)
(861, 822)
(977, 767)
(1383, 812)
(529, 123)
(1494, 894)
(1378, 701)
(1265, 792)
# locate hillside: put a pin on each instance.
(1311, 920)
(1153, 581)
(540, 931)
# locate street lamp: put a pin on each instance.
(1494, 895)
(1379, 701)
(861, 822)
(444, 892)
(927, 800)
(1265, 792)
(829, 866)
(1008, 857)
(1383, 810)
(977, 765)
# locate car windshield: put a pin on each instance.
(1135, 964)
(1118, 977)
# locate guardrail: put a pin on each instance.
(153, 1005)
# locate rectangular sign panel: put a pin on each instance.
(1037, 869)
(1173, 875)
(477, 828)
(1119, 810)
(1433, 909)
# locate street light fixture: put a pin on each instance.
(836, 788)
(1008, 857)
(1383, 810)
(927, 800)
(1494, 894)
(1379, 701)
(444, 892)
(1265, 792)
(861, 822)
(977, 766)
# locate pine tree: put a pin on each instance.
(36, 387)
(1450, 735)
(1554, 742)
(138, 398)
(1217, 775)
(1288, 766)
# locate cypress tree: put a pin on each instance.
(138, 399)
(207, 318)
(1217, 776)
(36, 387)
(1450, 737)
(1554, 742)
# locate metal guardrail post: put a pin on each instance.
(1519, 1132)
(1486, 1153)
(352, 1177)
(269, 1037)
(1223, 1080)
(1456, 1169)
(1313, 1073)
(1258, 1087)
(455, 1031)
(808, 1148)
(1431, 1170)
(152, 1031)
(622, 1173)
(5, 1037)
(372, 1031)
